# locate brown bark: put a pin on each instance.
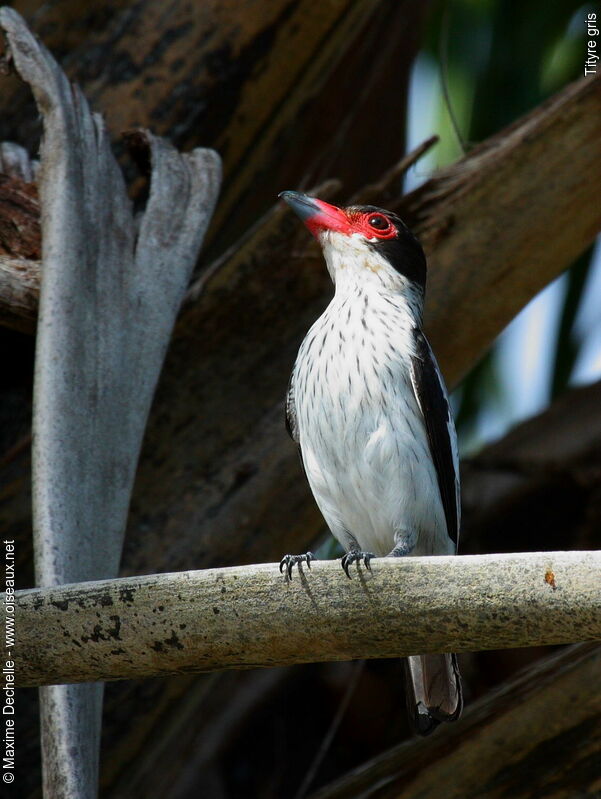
(538, 735)
(538, 481)
(20, 235)
(277, 88)
(20, 239)
(301, 85)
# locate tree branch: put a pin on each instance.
(251, 616)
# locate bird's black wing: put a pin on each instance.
(434, 404)
(291, 423)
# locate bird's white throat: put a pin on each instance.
(353, 263)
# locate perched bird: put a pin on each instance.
(368, 408)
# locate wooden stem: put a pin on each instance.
(252, 616)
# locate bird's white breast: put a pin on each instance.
(361, 433)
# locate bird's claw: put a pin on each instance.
(356, 557)
(288, 561)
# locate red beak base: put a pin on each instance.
(317, 214)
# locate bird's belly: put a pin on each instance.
(368, 463)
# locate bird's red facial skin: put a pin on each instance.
(373, 225)
(370, 225)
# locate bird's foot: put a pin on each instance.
(355, 557)
(288, 561)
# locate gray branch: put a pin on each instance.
(108, 303)
(251, 616)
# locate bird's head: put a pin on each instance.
(362, 243)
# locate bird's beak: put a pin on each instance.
(316, 214)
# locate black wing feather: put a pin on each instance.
(291, 423)
(433, 402)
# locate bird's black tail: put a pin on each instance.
(433, 688)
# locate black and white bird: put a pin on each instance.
(369, 410)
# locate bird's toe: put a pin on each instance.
(356, 557)
(289, 561)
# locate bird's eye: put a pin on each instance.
(378, 222)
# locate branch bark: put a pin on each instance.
(251, 616)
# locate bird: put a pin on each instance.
(368, 409)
